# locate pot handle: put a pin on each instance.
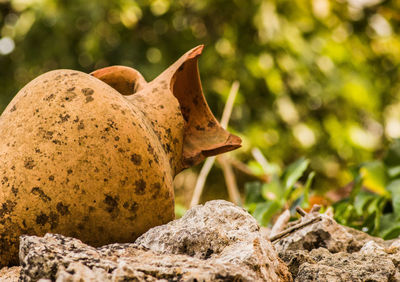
(125, 80)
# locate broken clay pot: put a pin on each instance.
(82, 155)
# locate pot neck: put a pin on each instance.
(162, 111)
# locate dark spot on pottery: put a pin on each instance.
(211, 124)
(4, 180)
(136, 159)
(42, 219)
(39, 192)
(64, 118)
(111, 203)
(29, 163)
(14, 190)
(70, 96)
(50, 97)
(53, 220)
(155, 188)
(132, 207)
(200, 128)
(87, 91)
(7, 208)
(62, 209)
(81, 125)
(140, 187)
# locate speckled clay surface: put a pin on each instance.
(81, 159)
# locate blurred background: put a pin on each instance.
(318, 79)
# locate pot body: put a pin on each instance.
(94, 156)
(79, 159)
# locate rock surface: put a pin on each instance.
(222, 232)
(321, 265)
(10, 274)
(215, 242)
(327, 251)
(325, 233)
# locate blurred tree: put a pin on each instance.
(318, 78)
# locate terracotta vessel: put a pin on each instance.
(94, 156)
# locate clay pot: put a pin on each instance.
(94, 156)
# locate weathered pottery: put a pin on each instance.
(94, 156)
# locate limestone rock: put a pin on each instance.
(221, 231)
(325, 233)
(10, 274)
(215, 242)
(321, 265)
(327, 251)
(361, 238)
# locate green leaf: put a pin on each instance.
(392, 157)
(343, 209)
(253, 192)
(394, 171)
(273, 190)
(392, 233)
(306, 193)
(264, 212)
(394, 189)
(180, 210)
(374, 176)
(390, 227)
(356, 188)
(293, 172)
(362, 200)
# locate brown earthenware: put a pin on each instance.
(94, 156)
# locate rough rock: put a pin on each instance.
(221, 231)
(10, 274)
(361, 238)
(215, 242)
(321, 265)
(326, 251)
(325, 233)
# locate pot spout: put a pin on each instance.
(203, 135)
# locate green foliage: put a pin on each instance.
(374, 203)
(180, 210)
(266, 200)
